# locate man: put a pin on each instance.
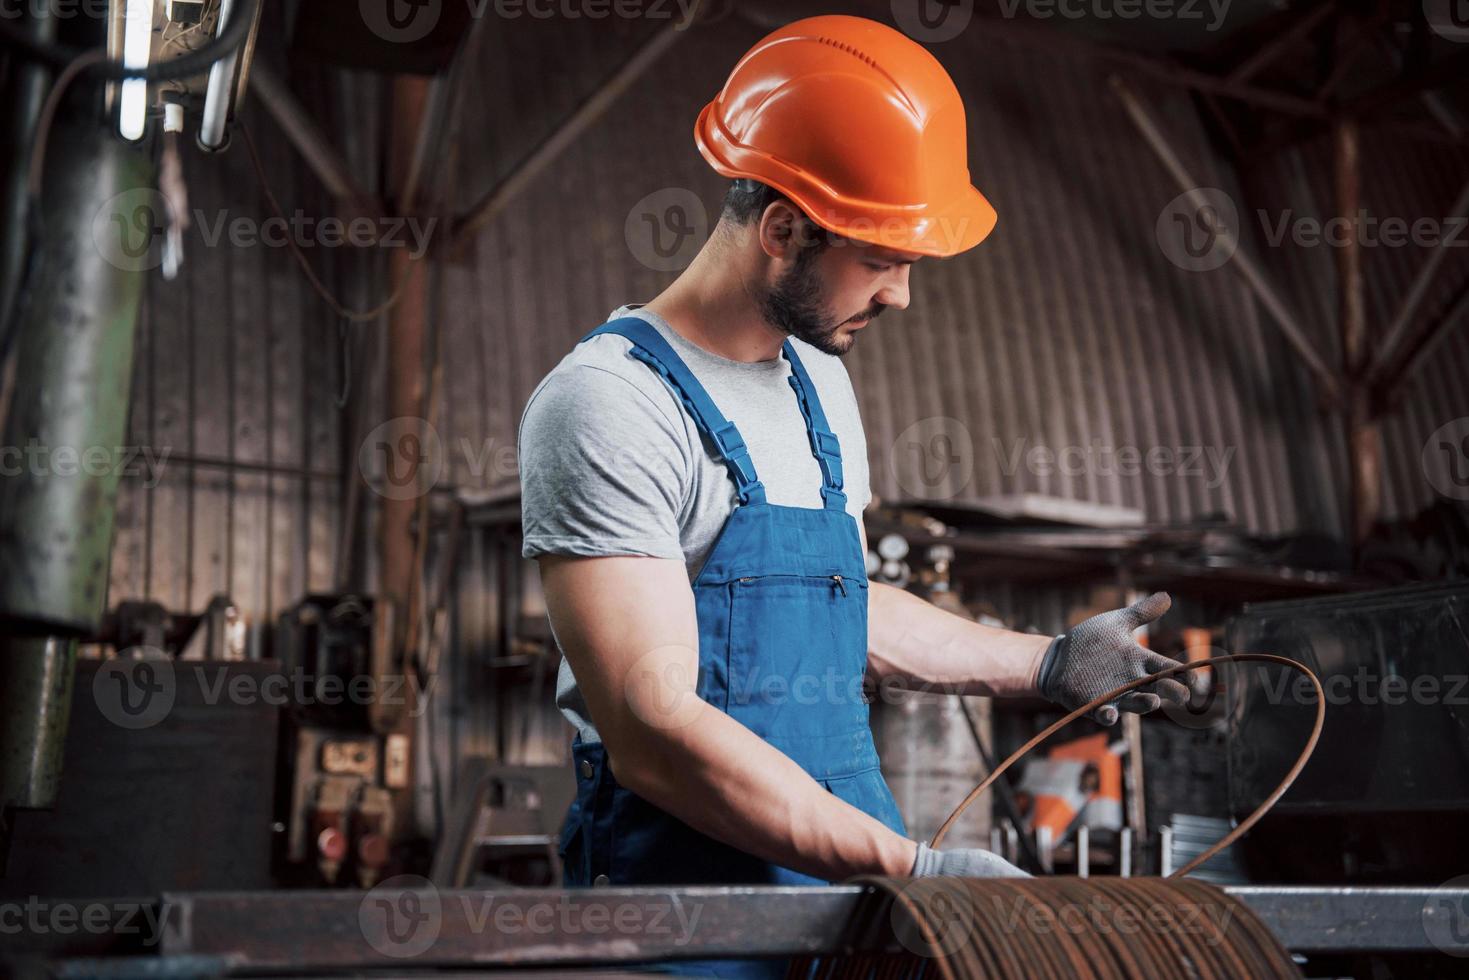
(694, 474)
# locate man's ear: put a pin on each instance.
(779, 225)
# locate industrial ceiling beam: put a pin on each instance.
(1240, 261)
(301, 130)
(1280, 44)
(1403, 320)
(1152, 67)
(1430, 339)
(602, 98)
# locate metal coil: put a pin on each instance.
(963, 928)
(1035, 928)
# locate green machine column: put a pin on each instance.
(62, 434)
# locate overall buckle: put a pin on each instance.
(732, 450)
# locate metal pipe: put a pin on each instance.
(1240, 261)
(218, 93)
(35, 706)
(1361, 435)
(73, 381)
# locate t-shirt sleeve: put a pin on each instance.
(604, 470)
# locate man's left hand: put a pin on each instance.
(1100, 654)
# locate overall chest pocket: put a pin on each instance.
(797, 653)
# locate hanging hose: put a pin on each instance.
(961, 928)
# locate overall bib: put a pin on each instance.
(782, 611)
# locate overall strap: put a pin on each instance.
(649, 347)
(824, 444)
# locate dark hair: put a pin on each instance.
(746, 200)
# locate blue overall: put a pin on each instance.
(782, 610)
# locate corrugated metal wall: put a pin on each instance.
(236, 376)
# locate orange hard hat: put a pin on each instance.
(859, 126)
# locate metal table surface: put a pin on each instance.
(265, 932)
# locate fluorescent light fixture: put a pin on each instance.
(137, 42)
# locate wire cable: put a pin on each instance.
(321, 290)
(1097, 702)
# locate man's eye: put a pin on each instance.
(879, 266)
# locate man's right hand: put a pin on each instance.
(963, 863)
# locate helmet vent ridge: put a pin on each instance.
(843, 46)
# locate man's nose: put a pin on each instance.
(894, 292)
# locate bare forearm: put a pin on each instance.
(629, 628)
(916, 642)
(725, 781)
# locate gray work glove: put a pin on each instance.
(1100, 654)
(962, 863)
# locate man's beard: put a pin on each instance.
(793, 305)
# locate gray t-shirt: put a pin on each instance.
(612, 464)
